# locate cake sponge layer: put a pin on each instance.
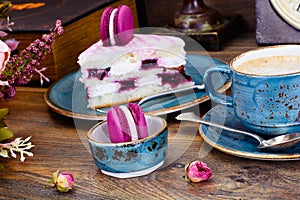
(131, 96)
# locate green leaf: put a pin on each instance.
(5, 134)
(3, 113)
(4, 8)
(2, 124)
(4, 153)
(61, 189)
(54, 177)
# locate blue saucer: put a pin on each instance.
(68, 96)
(236, 144)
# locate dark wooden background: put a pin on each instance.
(160, 12)
(59, 146)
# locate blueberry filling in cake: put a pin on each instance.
(128, 84)
(149, 63)
(99, 74)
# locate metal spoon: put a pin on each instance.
(276, 143)
(199, 87)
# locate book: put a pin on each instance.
(81, 22)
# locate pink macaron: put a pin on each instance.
(117, 26)
(104, 25)
(126, 123)
(139, 119)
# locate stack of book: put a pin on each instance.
(81, 21)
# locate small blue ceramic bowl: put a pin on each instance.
(129, 157)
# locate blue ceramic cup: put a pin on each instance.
(265, 89)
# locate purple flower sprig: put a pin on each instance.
(21, 67)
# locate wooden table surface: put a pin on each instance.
(61, 144)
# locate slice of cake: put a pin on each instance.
(145, 65)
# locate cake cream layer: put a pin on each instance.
(136, 61)
(117, 84)
(98, 56)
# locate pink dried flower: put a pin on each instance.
(3, 34)
(12, 43)
(62, 180)
(4, 55)
(197, 171)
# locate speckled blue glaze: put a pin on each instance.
(263, 103)
(270, 101)
(130, 156)
(239, 144)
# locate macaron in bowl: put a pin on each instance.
(129, 159)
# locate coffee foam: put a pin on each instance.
(274, 60)
(273, 65)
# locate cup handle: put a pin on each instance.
(209, 85)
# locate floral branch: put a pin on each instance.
(17, 146)
(20, 69)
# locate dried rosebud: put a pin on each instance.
(197, 171)
(62, 180)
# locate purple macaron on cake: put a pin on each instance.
(116, 26)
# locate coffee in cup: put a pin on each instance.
(271, 66)
(265, 88)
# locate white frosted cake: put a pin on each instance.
(147, 65)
